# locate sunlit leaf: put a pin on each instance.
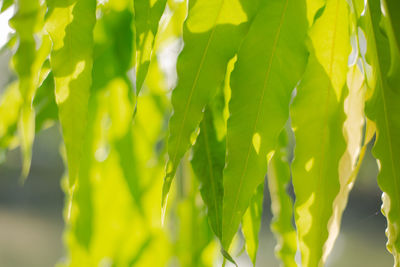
(6, 4)
(10, 105)
(269, 64)
(282, 204)
(201, 69)
(318, 130)
(27, 62)
(251, 223)
(383, 109)
(208, 164)
(70, 26)
(45, 103)
(147, 17)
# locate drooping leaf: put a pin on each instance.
(81, 220)
(314, 10)
(10, 105)
(70, 25)
(27, 61)
(251, 223)
(349, 162)
(172, 29)
(121, 115)
(269, 64)
(113, 47)
(194, 231)
(6, 4)
(318, 130)
(201, 69)
(208, 164)
(147, 17)
(45, 103)
(383, 108)
(282, 204)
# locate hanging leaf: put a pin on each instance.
(208, 164)
(147, 17)
(352, 159)
(318, 130)
(383, 109)
(45, 103)
(201, 69)
(27, 61)
(10, 105)
(282, 204)
(71, 30)
(251, 223)
(5, 5)
(270, 62)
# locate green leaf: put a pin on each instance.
(270, 62)
(81, 193)
(10, 106)
(392, 9)
(282, 204)
(45, 103)
(70, 25)
(208, 164)
(317, 120)
(251, 223)
(351, 160)
(201, 69)
(383, 109)
(147, 17)
(113, 47)
(27, 61)
(6, 4)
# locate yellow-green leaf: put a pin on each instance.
(201, 69)
(27, 61)
(251, 223)
(282, 204)
(383, 108)
(70, 25)
(208, 164)
(269, 64)
(147, 17)
(317, 119)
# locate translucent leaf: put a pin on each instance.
(282, 204)
(251, 223)
(6, 4)
(27, 62)
(147, 17)
(45, 103)
(317, 120)
(10, 105)
(383, 109)
(352, 158)
(201, 69)
(208, 164)
(70, 26)
(269, 63)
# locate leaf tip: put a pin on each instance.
(228, 256)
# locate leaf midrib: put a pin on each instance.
(380, 77)
(320, 188)
(259, 108)
(209, 160)
(195, 82)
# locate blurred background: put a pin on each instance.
(31, 214)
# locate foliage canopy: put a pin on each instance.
(252, 77)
